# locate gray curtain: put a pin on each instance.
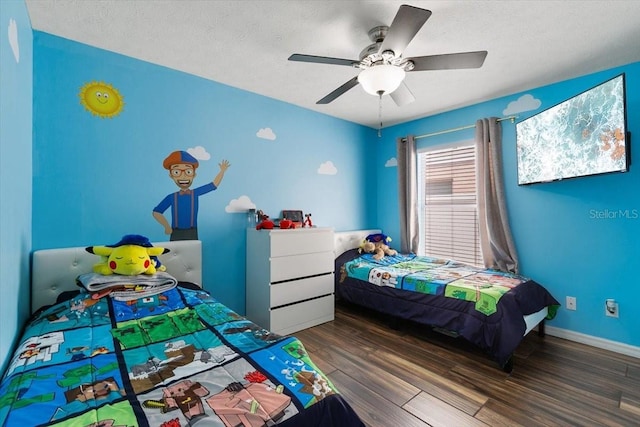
(408, 194)
(498, 250)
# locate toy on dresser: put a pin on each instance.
(307, 221)
(264, 223)
(287, 223)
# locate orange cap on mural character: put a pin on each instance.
(178, 157)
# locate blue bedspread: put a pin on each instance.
(436, 276)
(486, 307)
(173, 359)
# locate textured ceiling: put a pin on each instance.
(246, 44)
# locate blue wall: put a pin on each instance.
(97, 178)
(560, 240)
(70, 178)
(16, 62)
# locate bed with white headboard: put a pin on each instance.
(135, 349)
(518, 311)
(346, 240)
(55, 270)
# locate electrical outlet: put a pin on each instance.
(611, 310)
(571, 303)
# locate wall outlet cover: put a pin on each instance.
(611, 310)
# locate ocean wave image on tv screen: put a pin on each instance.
(584, 135)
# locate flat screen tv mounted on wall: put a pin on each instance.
(582, 136)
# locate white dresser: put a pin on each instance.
(290, 278)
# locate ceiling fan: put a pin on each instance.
(382, 66)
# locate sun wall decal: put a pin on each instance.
(101, 99)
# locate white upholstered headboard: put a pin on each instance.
(345, 240)
(54, 271)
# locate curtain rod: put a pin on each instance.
(511, 118)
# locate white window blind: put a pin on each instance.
(448, 217)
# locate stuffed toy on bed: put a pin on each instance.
(376, 244)
(132, 255)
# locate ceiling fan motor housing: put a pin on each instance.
(371, 55)
(377, 34)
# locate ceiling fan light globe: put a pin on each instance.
(381, 79)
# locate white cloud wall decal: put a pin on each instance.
(199, 153)
(327, 168)
(266, 133)
(241, 204)
(12, 32)
(524, 103)
(391, 163)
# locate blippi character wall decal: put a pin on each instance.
(184, 203)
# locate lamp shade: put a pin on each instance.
(381, 79)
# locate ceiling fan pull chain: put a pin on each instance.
(380, 114)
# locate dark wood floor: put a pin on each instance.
(412, 376)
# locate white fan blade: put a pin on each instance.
(402, 95)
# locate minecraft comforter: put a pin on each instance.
(172, 359)
(486, 307)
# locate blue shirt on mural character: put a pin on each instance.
(184, 206)
(184, 203)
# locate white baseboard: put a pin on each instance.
(617, 347)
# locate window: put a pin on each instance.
(447, 204)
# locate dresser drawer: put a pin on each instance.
(301, 241)
(299, 266)
(292, 318)
(300, 290)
